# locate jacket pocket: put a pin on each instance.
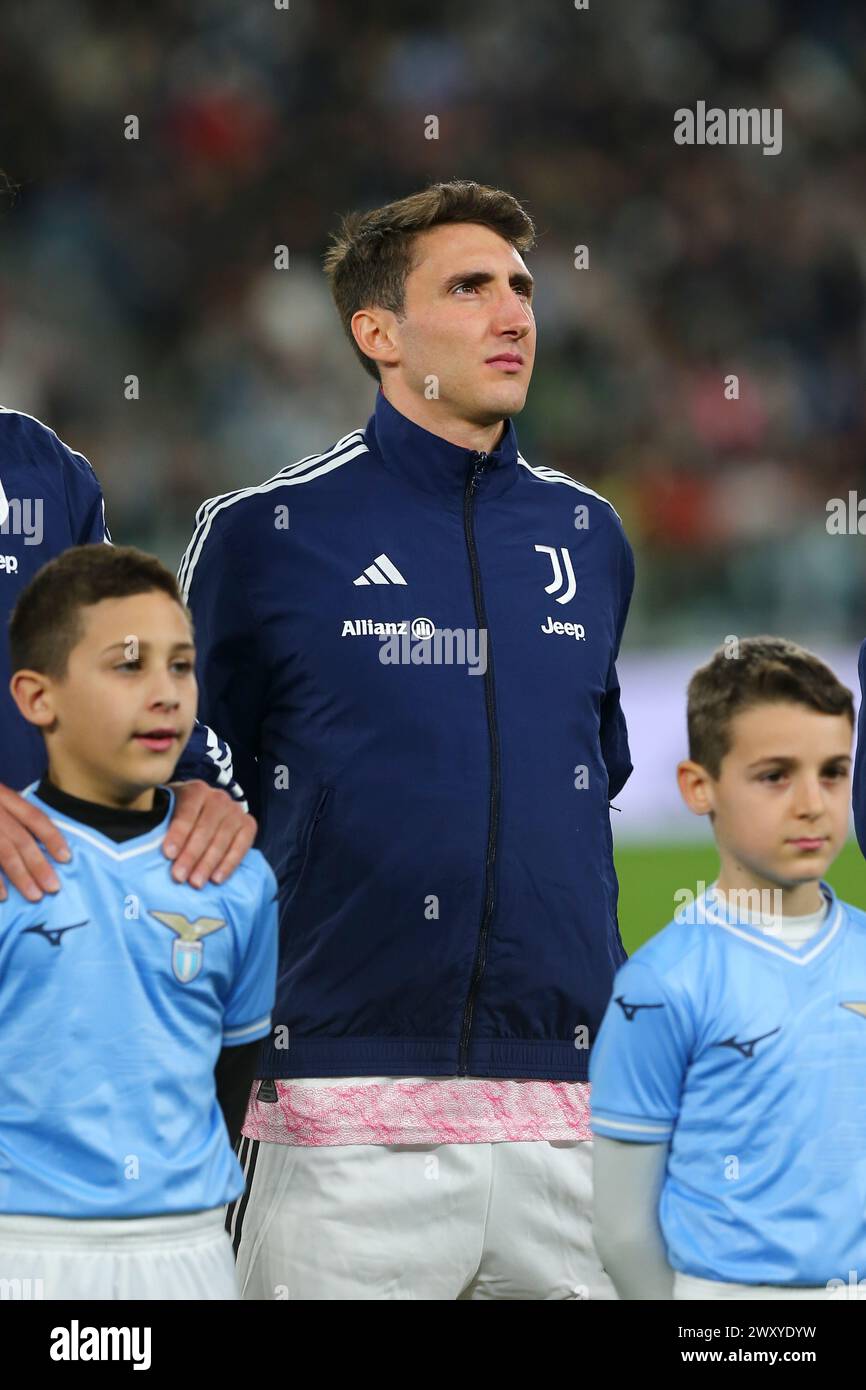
(299, 854)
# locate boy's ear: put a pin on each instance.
(33, 694)
(696, 787)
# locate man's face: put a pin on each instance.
(784, 788)
(130, 674)
(468, 300)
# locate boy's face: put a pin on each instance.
(130, 675)
(782, 798)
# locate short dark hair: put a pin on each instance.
(370, 256)
(759, 670)
(46, 621)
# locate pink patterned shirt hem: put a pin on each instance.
(417, 1110)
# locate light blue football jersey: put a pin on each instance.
(117, 994)
(749, 1057)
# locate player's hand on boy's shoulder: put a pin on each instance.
(207, 837)
(208, 834)
(22, 861)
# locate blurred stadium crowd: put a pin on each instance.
(258, 126)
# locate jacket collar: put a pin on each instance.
(433, 464)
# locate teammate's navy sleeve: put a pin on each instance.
(84, 496)
(61, 506)
(613, 730)
(859, 783)
(209, 758)
(228, 662)
(639, 1060)
(247, 1010)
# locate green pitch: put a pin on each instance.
(649, 875)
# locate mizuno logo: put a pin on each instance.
(557, 581)
(53, 934)
(631, 1009)
(747, 1047)
(382, 571)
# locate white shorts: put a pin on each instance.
(417, 1221)
(186, 1257)
(689, 1286)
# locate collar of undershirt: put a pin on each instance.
(119, 824)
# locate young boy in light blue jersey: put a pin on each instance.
(729, 1072)
(130, 1005)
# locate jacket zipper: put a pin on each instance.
(478, 467)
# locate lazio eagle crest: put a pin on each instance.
(187, 951)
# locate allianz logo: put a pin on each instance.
(422, 629)
(575, 630)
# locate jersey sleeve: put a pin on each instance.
(247, 1013)
(84, 495)
(223, 748)
(613, 730)
(206, 756)
(639, 1060)
(859, 780)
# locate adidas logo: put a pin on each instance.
(380, 572)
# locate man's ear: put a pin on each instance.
(34, 695)
(373, 331)
(696, 787)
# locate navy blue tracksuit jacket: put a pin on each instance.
(440, 832)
